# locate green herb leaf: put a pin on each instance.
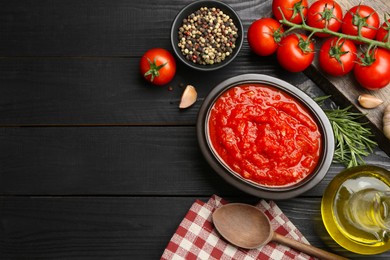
(353, 140)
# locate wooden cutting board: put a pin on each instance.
(345, 90)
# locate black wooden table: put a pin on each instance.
(94, 162)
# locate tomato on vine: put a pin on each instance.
(292, 10)
(158, 66)
(373, 70)
(264, 35)
(361, 20)
(383, 32)
(295, 53)
(337, 56)
(325, 14)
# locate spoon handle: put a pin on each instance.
(305, 248)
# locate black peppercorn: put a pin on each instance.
(207, 36)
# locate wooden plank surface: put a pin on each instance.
(95, 163)
(110, 91)
(84, 28)
(89, 28)
(115, 160)
(105, 160)
(346, 90)
(117, 28)
(115, 228)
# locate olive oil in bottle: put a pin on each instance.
(356, 209)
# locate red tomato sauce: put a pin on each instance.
(264, 134)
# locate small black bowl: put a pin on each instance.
(193, 7)
(263, 191)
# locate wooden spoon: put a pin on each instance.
(247, 227)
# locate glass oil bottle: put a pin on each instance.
(355, 209)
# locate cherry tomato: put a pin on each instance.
(291, 9)
(361, 16)
(325, 14)
(383, 32)
(295, 52)
(264, 35)
(337, 56)
(158, 66)
(373, 72)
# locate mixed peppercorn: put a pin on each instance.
(207, 36)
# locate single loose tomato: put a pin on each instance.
(291, 10)
(264, 35)
(363, 17)
(325, 14)
(337, 56)
(295, 52)
(373, 72)
(383, 32)
(158, 66)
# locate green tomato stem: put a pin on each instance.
(358, 38)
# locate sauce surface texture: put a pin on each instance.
(264, 135)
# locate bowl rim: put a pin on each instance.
(188, 9)
(250, 187)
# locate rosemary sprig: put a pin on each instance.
(352, 138)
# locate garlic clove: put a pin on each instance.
(369, 101)
(386, 122)
(188, 97)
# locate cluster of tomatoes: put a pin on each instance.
(337, 55)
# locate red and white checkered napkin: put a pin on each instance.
(196, 237)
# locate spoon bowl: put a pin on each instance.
(249, 222)
(248, 227)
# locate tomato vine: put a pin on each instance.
(313, 30)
